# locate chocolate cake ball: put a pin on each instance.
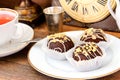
(93, 35)
(86, 51)
(59, 42)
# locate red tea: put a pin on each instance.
(4, 18)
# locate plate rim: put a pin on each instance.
(60, 77)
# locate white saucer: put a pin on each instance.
(15, 45)
(64, 70)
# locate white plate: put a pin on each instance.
(63, 70)
(15, 45)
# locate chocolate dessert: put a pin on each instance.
(86, 51)
(93, 35)
(59, 42)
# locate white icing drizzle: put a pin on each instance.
(56, 38)
(93, 33)
(51, 41)
(87, 50)
(58, 49)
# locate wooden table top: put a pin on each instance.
(16, 66)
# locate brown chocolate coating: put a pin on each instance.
(86, 51)
(93, 35)
(60, 42)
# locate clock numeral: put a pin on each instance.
(85, 11)
(95, 9)
(102, 2)
(75, 6)
(68, 1)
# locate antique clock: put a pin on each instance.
(86, 11)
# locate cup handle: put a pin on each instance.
(19, 32)
(110, 9)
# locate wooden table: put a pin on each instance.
(16, 66)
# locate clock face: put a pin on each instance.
(87, 11)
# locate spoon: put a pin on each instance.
(32, 41)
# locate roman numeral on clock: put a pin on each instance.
(102, 2)
(85, 11)
(68, 1)
(94, 9)
(75, 6)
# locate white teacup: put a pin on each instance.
(8, 25)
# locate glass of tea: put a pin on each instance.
(54, 19)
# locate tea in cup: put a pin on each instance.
(8, 25)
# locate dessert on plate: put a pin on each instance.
(86, 57)
(59, 42)
(97, 36)
(93, 35)
(57, 45)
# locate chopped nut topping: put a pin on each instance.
(91, 34)
(88, 49)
